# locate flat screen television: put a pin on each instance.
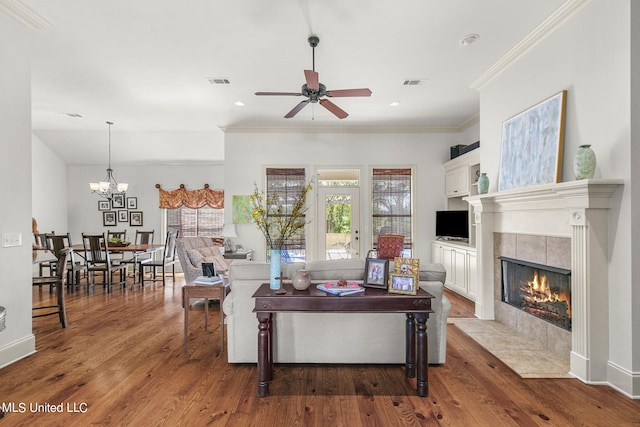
(452, 225)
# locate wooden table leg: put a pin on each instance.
(185, 305)
(422, 380)
(223, 292)
(264, 358)
(410, 352)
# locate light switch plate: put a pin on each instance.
(11, 239)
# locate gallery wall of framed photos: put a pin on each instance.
(120, 210)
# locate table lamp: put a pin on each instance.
(229, 232)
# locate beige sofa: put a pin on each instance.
(193, 251)
(328, 337)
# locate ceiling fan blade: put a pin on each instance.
(279, 93)
(337, 111)
(349, 92)
(296, 109)
(312, 79)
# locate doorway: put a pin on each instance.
(338, 222)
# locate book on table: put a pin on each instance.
(340, 288)
(208, 280)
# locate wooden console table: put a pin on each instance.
(372, 300)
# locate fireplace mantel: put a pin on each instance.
(575, 209)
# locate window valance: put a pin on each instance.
(193, 199)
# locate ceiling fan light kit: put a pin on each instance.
(315, 92)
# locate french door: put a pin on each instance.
(338, 223)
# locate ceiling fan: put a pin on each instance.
(316, 91)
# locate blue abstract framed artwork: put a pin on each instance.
(532, 145)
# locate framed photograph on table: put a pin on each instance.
(104, 205)
(407, 266)
(403, 284)
(132, 203)
(123, 216)
(376, 273)
(117, 202)
(109, 219)
(135, 218)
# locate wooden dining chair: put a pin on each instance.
(58, 282)
(96, 250)
(142, 238)
(168, 259)
(57, 243)
(41, 243)
(122, 235)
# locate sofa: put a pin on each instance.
(328, 337)
(193, 251)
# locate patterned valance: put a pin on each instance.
(192, 199)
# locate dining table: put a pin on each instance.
(135, 249)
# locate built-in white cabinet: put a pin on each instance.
(457, 182)
(459, 261)
(461, 174)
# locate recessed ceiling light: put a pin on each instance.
(469, 39)
(239, 104)
(394, 104)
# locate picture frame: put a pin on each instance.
(376, 273)
(532, 143)
(109, 219)
(123, 216)
(403, 284)
(240, 209)
(407, 266)
(132, 203)
(117, 201)
(135, 218)
(104, 205)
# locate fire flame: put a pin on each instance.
(540, 291)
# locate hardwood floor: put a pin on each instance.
(120, 362)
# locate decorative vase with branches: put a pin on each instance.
(277, 223)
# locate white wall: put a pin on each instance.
(82, 205)
(48, 189)
(246, 155)
(16, 341)
(590, 58)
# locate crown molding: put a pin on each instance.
(23, 14)
(558, 18)
(353, 129)
(341, 129)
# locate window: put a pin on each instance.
(287, 183)
(391, 205)
(203, 221)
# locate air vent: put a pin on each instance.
(413, 82)
(73, 114)
(219, 81)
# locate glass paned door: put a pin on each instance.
(338, 223)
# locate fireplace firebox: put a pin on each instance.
(540, 290)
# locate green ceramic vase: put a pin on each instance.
(584, 162)
(483, 183)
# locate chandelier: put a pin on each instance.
(109, 187)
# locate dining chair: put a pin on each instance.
(142, 238)
(57, 243)
(40, 240)
(168, 259)
(98, 257)
(122, 235)
(58, 282)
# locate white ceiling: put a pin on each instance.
(144, 65)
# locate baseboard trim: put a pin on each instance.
(623, 380)
(17, 350)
